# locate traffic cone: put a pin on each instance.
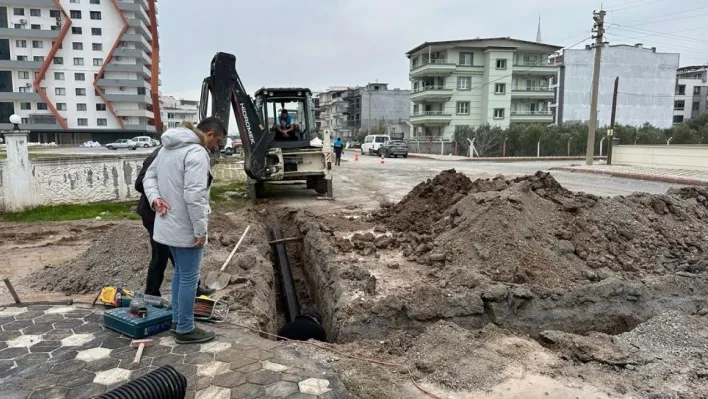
(382, 159)
(356, 157)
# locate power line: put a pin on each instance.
(670, 19)
(633, 6)
(645, 95)
(665, 15)
(656, 33)
(686, 49)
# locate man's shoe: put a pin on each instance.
(196, 336)
(205, 291)
(173, 328)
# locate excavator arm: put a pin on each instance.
(227, 92)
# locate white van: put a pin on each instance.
(144, 141)
(372, 143)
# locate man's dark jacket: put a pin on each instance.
(144, 209)
(302, 329)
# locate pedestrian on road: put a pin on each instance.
(177, 186)
(338, 148)
(306, 326)
(160, 252)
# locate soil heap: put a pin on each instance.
(532, 230)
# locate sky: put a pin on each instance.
(323, 43)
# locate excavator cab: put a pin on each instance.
(298, 102)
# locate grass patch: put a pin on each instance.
(34, 155)
(104, 210)
(231, 196)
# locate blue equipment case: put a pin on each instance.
(124, 322)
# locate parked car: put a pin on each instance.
(353, 144)
(394, 148)
(144, 141)
(372, 143)
(122, 143)
(229, 147)
(156, 143)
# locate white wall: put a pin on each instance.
(650, 78)
(689, 157)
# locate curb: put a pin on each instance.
(505, 159)
(638, 176)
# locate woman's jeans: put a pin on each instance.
(184, 286)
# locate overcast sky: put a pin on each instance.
(322, 43)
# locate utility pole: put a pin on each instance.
(611, 132)
(368, 119)
(599, 30)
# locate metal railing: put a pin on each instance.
(532, 88)
(538, 113)
(533, 64)
(430, 87)
(431, 113)
(436, 61)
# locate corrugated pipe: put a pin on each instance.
(163, 383)
(282, 263)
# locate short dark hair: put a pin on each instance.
(339, 138)
(212, 124)
(283, 111)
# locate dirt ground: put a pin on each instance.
(495, 288)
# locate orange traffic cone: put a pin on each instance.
(382, 159)
(356, 157)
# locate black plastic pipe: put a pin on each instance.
(287, 285)
(163, 383)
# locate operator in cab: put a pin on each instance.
(284, 127)
(305, 327)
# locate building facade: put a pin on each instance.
(469, 83)
(175, 111)
(333, 111)
(647, 82)
(691, 93)
(80, 70)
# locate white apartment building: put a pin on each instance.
(79, 70)
(175, 111)
(333, 111)
(691, 98)
(495, 81)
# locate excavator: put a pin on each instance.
(269, 157)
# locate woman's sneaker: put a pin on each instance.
(196, 336)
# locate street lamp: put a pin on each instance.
(15, 120)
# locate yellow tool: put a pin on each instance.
(112, 296)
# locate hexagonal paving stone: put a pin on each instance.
(16, 325)
(54, 335)
(215, 347)
(102, 364)
(213, 392)
(29, 315)
(8, 335)
(48, 319)
(110, 377)
(63, 354)
(314, 386)
(213, 368)
(86, 391)
(188, 370)
(32, 358)
(49, 392)
(199, 358)
(157, 350)
(88, 328)
(229, 380)
(92, 354)
(281, 389)
(258, 354)
(301, 395)
(37, 329)
(248, 391)
(60, 310)
(231, 355)
(11, 353)
(45, 346)
(39, 381)
(24, 341)
(76, 378)
(68, 324)
(77, 340)
(68, 366)
(135, 374)
(116, 342)
(263, 377)
(11, 311)
(268, 365)
(170, 359)
(185, 349)
(249, 368)
(168, 341)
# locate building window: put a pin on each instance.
(464, 83)
(23, 75)
(36, 27)
(58, 75)
(59, 60)
(55, 27)
(102, 122)
(81, 107)
(74, 1)
(78, 61)
(96, 31)
(697, 90)
(142, 91)
(61, 45)
(80, 91)
(679, 105)
(60, 91)
(466, 59)
(95, 15)
(61, 106)
(42, 106)
(38, 58)
(100, 107)
(97, 2)
(75, 14)
(82, 121)
(463, 108)
(498, 113)
(97, 61)
(18, 11)
(21, 43)
(500, 88)
(681, 90)
(97, 46)
(37, 44)
(678, 118)
(79, 76)
(696, 106)
(501, 64)
(19, 26)
(76, 30)
(35, 12)
(77, 45)
(25, 106)
(55, 13)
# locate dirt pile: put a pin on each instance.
(532, 230)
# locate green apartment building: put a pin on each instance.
(495, 81)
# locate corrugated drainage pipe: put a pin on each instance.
(282, 263)
(163, 383)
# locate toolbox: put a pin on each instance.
(156, 321)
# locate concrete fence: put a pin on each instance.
(688, 157)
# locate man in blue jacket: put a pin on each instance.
(338, 148)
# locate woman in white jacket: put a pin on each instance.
(177, 187)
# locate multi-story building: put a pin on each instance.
(691, 92)
(175, 111)
(647, 82)
(468, 83)
(79, 70)
(333, 111)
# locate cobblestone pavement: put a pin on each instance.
(55, 352)
(676, 176)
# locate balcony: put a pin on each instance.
(140, 113)
(20, 64)
(531, 116)
(532, 92)
(123, 83)
(535, 69)
(128, 98)
(19, 96)
(138, 7)
(136, 68)
(431, 93)
(429, 118)
(139, 41)
(33, 3)
(43, 119)
(437, 67)
(140, 28)
(141, 128)
(29, 33)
